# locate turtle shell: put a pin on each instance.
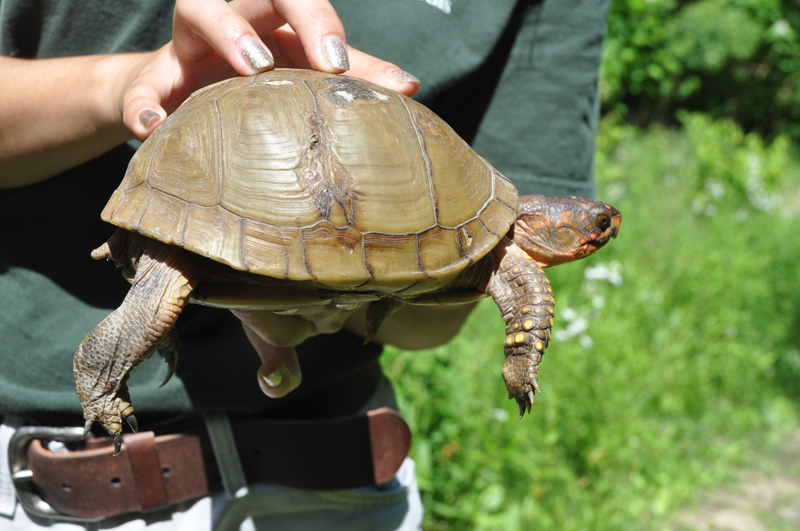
(302, 175)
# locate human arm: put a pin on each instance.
(57, 113)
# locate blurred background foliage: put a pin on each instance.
(675, 360)
(734, 58)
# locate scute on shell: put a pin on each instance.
(309, 176)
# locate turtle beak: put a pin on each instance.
(614, 228)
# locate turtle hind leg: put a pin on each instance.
(521, 290)
(130, 335)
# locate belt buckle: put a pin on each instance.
(23, 476)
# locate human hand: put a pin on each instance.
(214, 40)
(274, 337)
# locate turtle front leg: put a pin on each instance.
(521, 290)
(129, 335)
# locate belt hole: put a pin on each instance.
(116, 482)
(66, 486)
(165, 472)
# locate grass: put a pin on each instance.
(675, 355)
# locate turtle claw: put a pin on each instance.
(170, 349)
(86, 429)
(525, 405)
(132, 422)
(117, 442)
(535, 384)
(170, 372)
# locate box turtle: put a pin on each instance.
(296, 188)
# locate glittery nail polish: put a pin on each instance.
(336, 52)
(274, 379)
(401, 76)
(146, 117)
(255, 54)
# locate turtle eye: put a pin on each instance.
(603, 221)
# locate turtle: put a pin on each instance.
(296, 188)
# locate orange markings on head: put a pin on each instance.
(547, 222)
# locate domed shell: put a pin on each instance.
(309, 176)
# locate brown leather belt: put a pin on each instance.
(155, 471)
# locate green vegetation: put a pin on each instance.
(676, 351)
(675, 354)
(735, 58)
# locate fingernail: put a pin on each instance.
(274, 379)
(255, 54)
(336, 52)
(401, 76)
(146, 117)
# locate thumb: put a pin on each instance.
(279, 373)
(142, 111)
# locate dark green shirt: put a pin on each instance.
(518, 80)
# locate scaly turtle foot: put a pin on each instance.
(522, 292)
(130, 334)
(111, 413)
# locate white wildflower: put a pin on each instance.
(758, 196)
(500, 415)
(611, 273)
(781, 28)
(714, 188)
(568, 314)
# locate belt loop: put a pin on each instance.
(8, 493)
(226, 454)
(143, 454)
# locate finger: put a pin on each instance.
(380, 72)
(204, 27)
(279, 373)
(277, 330)
(288, 49)
(142, 110)
(320, 31)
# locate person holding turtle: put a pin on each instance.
(80, 78)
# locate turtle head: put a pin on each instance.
(555, 230)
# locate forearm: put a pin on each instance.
(58, 113)
(415, 327)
